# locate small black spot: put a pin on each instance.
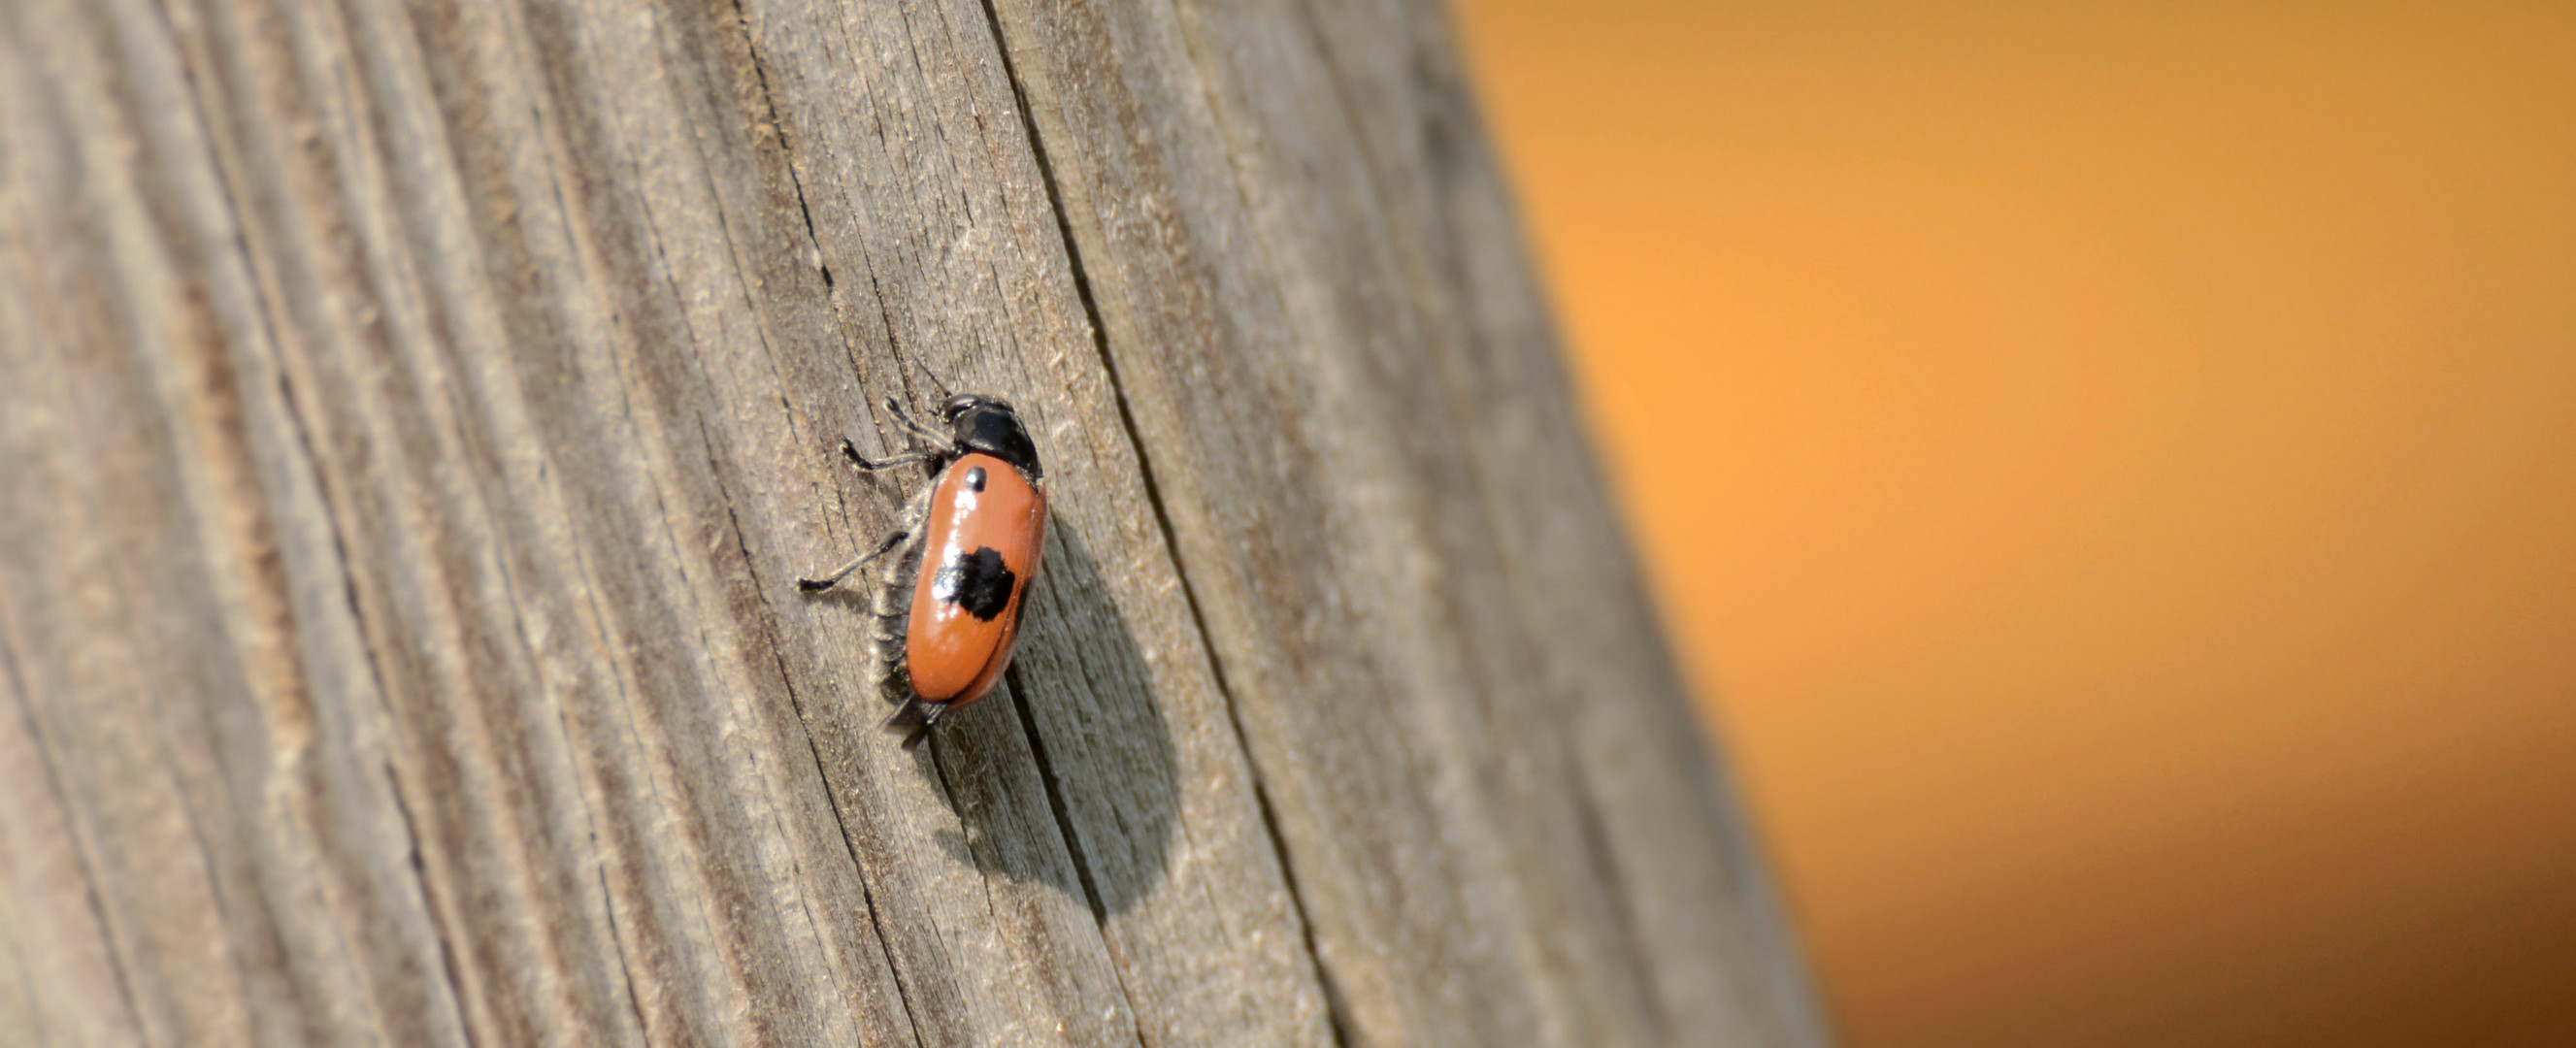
(975, 478)
(978, 582)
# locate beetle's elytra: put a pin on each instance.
(948, 604)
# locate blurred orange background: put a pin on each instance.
(2114, 473)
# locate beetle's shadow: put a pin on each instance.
(1066, 774)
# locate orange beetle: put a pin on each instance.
(948, 616)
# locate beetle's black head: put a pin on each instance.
(988, 425)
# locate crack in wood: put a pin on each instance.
(429, 899)
(81, 846)
(1072, 839)
(1335, 1007)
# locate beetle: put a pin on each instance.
(947, 606)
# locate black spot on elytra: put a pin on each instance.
(978, 582)
(975, 478)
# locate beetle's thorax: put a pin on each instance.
(990, 427)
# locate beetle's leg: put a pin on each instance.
(868, 465)
(913, 720)
(940, 444)
(843, 572)
(914, 427)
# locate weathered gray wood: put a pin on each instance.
(413, 417)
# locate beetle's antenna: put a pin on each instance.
(924, 368)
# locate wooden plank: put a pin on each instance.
(1308, 277)
(415, 417)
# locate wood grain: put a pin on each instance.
(413, 418)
